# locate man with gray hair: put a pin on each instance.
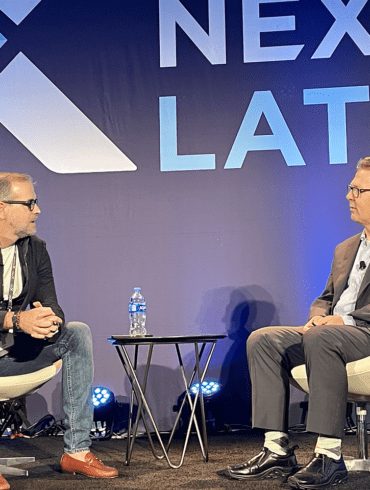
(37, 337)
(337, 332)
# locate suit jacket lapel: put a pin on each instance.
(344, 267)
(365, 281)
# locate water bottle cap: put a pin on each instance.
(137, 290)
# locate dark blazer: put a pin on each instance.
(344, 257)
(38, 285)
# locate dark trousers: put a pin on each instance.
(272, 353)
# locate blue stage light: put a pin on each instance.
(210, 391)
(101, 396)
(208, 388)
(104, 406)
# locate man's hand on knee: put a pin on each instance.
(39, 322)
(317, 321)
(333, 320)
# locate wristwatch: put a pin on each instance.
(15, 320)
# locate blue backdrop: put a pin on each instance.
(198, 149)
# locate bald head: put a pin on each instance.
(364, 163)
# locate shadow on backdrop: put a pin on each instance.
(239, 311)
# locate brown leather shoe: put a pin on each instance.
(90, 467)
(4, 485)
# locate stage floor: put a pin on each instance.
(146, 473)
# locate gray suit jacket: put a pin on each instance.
(344, 257)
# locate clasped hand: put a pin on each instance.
(317, 321)
(39, 322)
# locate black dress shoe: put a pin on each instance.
(320, 472)
(266, 465)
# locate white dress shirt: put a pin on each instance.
(348, 298)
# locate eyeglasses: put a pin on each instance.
(355, 190)
(30, 203)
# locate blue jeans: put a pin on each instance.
(74, 347)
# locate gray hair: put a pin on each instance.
(7, 179)
(363, 163)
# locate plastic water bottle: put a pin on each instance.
(137, 313)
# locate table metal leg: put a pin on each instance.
(131, 369)
(187, 396)
(132, 437)
(130, 416)
(138, 390)
(201, 397)
(141, 396)
(203, 441)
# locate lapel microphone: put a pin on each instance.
(362, 265)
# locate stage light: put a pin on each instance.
(104, 405)
(101, 396)
(208, 388)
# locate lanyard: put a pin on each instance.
(12, 281)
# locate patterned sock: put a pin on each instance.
(277, 442)
(330, 446)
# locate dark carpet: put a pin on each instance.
(145, 472)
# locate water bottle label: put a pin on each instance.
(133, 308)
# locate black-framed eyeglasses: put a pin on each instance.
(355, 190)
(30, 203)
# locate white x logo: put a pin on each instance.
(17, 10)
(45, 121)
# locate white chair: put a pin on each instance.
(11, 389)
(358, 373)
